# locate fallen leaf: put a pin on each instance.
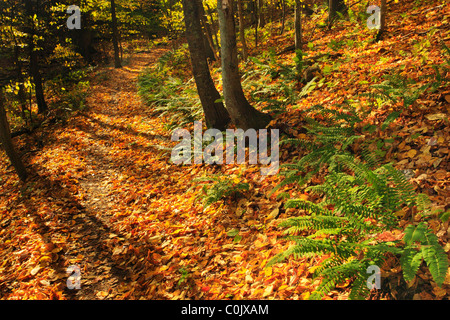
(436, 116)
(447, 97)
(411, 153)
(35, 270)
(268, 291)
(268, 271)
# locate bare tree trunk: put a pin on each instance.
(242, 30)
(298, 25)
(256, 20)
(34, 66)
(20, 80)
(335, 6)
(382, 29)
(214, 29)
(283, 17)
(208, 32)
(216, 115)
(5, 139)
(117, 62)
(261, 17)
(242, 113)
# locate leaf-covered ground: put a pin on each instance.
(103, 194)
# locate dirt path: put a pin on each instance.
(113, 104)
(76, 190)
(104, 199)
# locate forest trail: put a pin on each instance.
(76, 220)
(104, 197)
(112, 104)
(71, 210)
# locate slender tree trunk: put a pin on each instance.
(34, 66)
(382, 29)
(20, 80)
(5, 139)
(213, 27)
(117, 62)
(283, 17)
(261, 17)
(298, 25)
(242, 113)
(256, 20)
(242, 30)
(208, 32)
(216, 115)
(335, 6)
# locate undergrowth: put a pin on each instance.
(360, 199)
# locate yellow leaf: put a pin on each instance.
(305, 295)
(268, 271)
(411, 153)
(268, 291)
(436, 116)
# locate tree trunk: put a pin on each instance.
(34, 66)
(335, 6)
(261, 18)
(242, 113)
(242, 30)
(208, 32)
(213, 27)
(216, 115)
(298, 25)
(255, 19)
(382, 20)
(21, 84)
(283, 17)
(5, 139)
(117, 62)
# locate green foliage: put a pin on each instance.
(397, 87)
(71, 90)
(270, 95)
(359, 201)
(220, 187)
(170, 97)
(422, 244)
(327, 142)
(184, 275)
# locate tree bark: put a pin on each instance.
(261, 18)
(213, 26)
(216, 115)
(5, 139)
(283, 17)
(242, 30)
(256, 21)
(382, 29)
(117, 62)
(34, 66)
(208, 32)
(335, 6)
(242, 113)
(298, 25)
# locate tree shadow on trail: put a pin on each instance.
(81, 238)
(126, 130)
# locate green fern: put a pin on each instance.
(421, 244)
(359, 200)
(220, 187)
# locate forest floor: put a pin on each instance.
(104, 196)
